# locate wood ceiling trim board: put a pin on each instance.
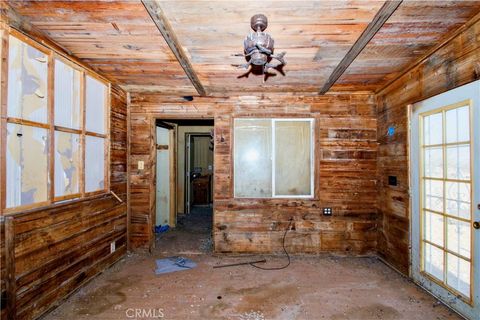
(373, 27)
(425, 56)
(156, 13)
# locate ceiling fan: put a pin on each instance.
(258, 50)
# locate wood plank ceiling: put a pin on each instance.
(120, 40)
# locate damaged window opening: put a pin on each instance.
(56, 129)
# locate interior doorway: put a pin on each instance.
(198, 170)
(166, 186)
(445, 157)
(184, 176)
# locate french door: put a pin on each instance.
(445, 181)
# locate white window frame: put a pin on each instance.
(312, 158)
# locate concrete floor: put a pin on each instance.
(312, 287)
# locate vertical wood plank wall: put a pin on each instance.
(346, 163)
(454, 64)
(59, 248)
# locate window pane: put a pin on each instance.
(95, 99)
(458, 237)
(27, 165)
(433, 262)
(67, 96)
(433, 224)
(432, 129)
(293, 158)
(94, 163)
(433, 195)
(458, 199)
(27, 82)
(458, 124)
(433, 162)
(67, 163)
(458, 162)
(458, 274)
(253, 158)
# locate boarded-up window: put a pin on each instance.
(67, 96)
(273, 158)
(94, 163)
(67, 119)
(27, 82)
(95, 125)
(67, 163)
(27, 139)
(54, 151)
(27, 165)
(95, 105)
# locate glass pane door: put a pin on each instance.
(445, 197)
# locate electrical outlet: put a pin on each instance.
(141, 165)
(327, 211)
(392, 180)
(112, 247)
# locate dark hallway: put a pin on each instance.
(192, 235)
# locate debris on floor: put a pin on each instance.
(172, 264)
(206, 245)
(252, 315)
(161, 229)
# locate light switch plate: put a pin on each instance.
(112, 247)
(141, 165)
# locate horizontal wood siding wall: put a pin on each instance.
(454, 64)
(346, 162)
(3, 272)
(57, 249)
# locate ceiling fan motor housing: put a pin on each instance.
(253, 42)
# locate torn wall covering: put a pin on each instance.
(27, 147)
(67, 163)
(27, 165)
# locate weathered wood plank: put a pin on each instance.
(450, 65)
(158, 16)
(346, 164)
(380, 18)
(49, 252)
(11, 286)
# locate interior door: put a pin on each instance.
(163, 173)
(188, 169)
(445, 178)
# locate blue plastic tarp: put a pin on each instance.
(172, 264)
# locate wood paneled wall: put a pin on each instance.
(3, 272)
(454, 64)
(47, 253)
(345, 166)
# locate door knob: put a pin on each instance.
(476, 224)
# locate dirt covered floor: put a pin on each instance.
(312, 287)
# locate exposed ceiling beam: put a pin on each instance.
(380, 18)
(163, 25)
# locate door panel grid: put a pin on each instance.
(446, 200)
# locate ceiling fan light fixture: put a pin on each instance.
(258, 46)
